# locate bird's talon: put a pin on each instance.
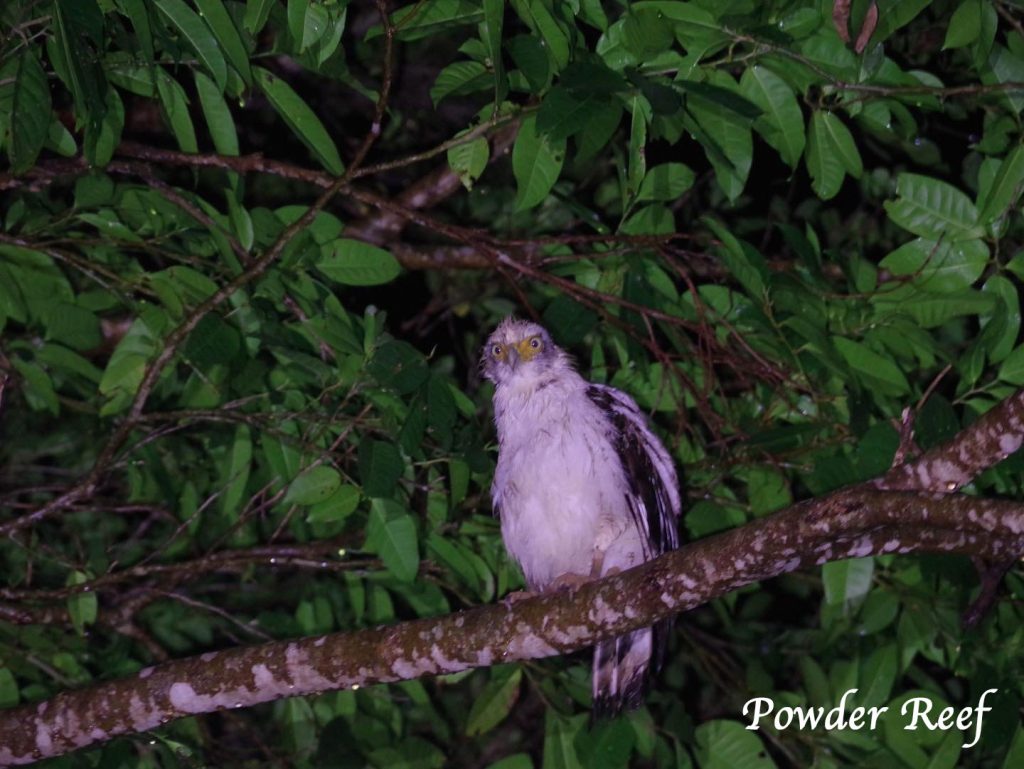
(516, 596)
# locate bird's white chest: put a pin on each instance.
(559, 484)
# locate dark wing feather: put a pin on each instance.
(654, 503)
(653, 484)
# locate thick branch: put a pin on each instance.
(850, 523)
(998, 433)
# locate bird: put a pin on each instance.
(582, 487)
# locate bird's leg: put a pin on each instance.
(569, 581)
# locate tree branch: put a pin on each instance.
(867, 519)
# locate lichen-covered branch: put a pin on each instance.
(997, 434)
(851, 523)
(874, 518)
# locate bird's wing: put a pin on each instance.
(654, 487)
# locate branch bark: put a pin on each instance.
(910, 509)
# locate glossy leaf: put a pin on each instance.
(495, 702)
(933, 209)
(469, 160)
(223, 27)
(313, 486)
(391, 533)
(728, 745)
(199, 36)
(355, 263)
(536, 163)
(781, 123)
(30, 112)
(300, 119)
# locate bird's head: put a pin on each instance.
(518, 349)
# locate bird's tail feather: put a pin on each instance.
(621, 667)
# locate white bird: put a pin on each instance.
(583, 488)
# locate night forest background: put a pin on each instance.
(249, 253)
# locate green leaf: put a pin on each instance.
(138, 13)
(1012, 369)
(531, 59)
(469, 160)
(876, 371)
(30, 112)
(73, 326)
(847, 582)
(609, 744)
(218, 117)
(516, 760)
(313, 486)
(9, 695)
(212, 341)
(559, 735)
(723, 95)
(398, 365)
(219, 20)
(391, 534)
(83, 607)
(564, 112)
(933, 209)
(665, 182)
(424, 19)
(964, 25)
(539, 19)
(37, 387)
(823, 162)
(199, 37)
(59, 139)
(941, 267)
(102, 139)
(300, 119)
(728, 141)
(127, 366)
(256, 14)
(337, 507)
(636, 168)
(878, 676)
(235, 478)
(1005, 66)
(767, 491)
(929, 309)
(536, 163)
(380, 467)
(600, 128)
(696, 28)
(897, 15)
(78, 28)
(459, 79)
(448, 555)
(175, 107)
(1015, 755)
(1005, 189)
(745, 264)
(355, 263)
(1000, 337)
(494, 16)
(494, 703)
(781, 123)
(729, 745)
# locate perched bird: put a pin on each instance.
(583, 488)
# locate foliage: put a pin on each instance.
(775, 224)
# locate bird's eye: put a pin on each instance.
(535, 343)
(498, 351)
